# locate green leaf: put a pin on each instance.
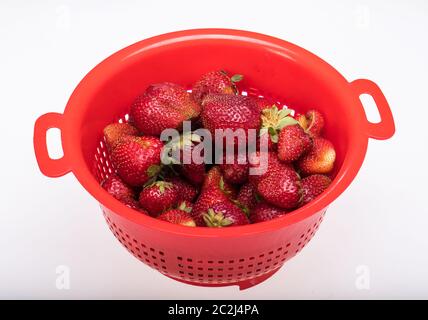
(183, 207)
(272, 131)
(236, 78)
(287, 121)
(241, 206)
(207, 219)
(221, 184)
(274, 138)
(225, 222)
(153, 170)
(284, 112)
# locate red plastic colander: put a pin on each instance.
(245, 255)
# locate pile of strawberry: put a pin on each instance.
(197, 194)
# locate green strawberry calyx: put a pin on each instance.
(273, 120)
(184, 207)
(241, 206)
(235, 78)
(215, 219)
(161, 185)
(153, 170)
(222, 186)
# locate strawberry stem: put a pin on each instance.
(236, 78)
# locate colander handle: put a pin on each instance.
(48, 166)
(385, 128)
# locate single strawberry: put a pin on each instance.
(118, 188)
(186, 191)
(180, 215)
(237, 171)
(247, 196)
(206, 199)
(162, 106)
(224, 214)
(137, 159)
(214, 190)
(239, 114)
(313, 186)
(158, 197)
(319, 159)
(273, 120)
(265, 212)
(293, 142)
(281, 188)
(262, 164)
(115, 131)
(312, 122)
(215, 82)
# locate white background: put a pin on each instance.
(378, 225)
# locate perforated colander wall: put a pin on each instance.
(216, 271)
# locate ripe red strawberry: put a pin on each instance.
(313, 186)
(215, 82)
(137, 159)
(158, 197)
(118, 188)
(225, 111)
(247, 196)
(162, 106)
(265, 212)
(262, 164)
(293, 142)
(115, 131)
(214, 190)
(319, 159)
(281, 188)
(236, 172)
(179, 216)
(312, 122)
(206, 199)
(224, 214)
(273, 120)
(186, 191)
